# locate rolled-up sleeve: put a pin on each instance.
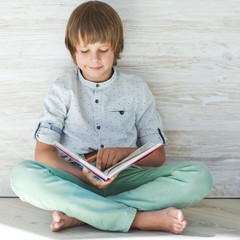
(51, 122)
(149, 122)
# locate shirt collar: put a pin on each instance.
(93, 85)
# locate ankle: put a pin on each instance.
(137, 220)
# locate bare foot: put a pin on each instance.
(61, 220)
(169, 220)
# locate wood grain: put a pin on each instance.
(187, 51)
(216, 219)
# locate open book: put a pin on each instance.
(126, 162)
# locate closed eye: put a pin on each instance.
(103, 50)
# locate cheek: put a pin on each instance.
(110, 59)
(80, 59)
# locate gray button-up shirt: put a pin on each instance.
(86, 116)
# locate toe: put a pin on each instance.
(57, 216)
(57, 221)
(56, 226)
(180, 215)
(184, 223)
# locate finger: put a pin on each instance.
(106, 160)
(102, 158)
(99, 159)
(92, 159)
(112, 160)
(102, 185)
(112, 179)
(90, 177)
(115, 160)
(95, 181)
(109, 163)
(86, 172)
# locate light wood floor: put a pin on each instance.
(210, 219)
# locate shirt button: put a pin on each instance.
(96, 101)
(97, 85)
(102, 146)
(98, 127)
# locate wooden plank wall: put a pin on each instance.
(187, 51)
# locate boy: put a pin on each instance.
(98, 111)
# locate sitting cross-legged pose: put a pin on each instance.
(104, 114)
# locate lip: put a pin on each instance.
(95, 68)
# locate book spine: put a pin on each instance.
(81, 163)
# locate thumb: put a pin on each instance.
(113, 178)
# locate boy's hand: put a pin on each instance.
(92, 180)
(107, 157)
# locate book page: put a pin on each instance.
(137, 152)
(136, 156)
(81, 161)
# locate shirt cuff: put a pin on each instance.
(154, 137)
(47, 133)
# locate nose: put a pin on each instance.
(94, 57)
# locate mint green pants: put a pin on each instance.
(113, 208)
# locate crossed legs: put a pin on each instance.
(151, 206)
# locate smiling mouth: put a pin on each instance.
(95, 68)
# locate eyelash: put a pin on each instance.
(103, 51)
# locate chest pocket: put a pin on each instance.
(121, 119)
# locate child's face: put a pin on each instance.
(95, 60)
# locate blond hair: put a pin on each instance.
(95, 21)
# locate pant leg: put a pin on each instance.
(177, 185)
(53, 189)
